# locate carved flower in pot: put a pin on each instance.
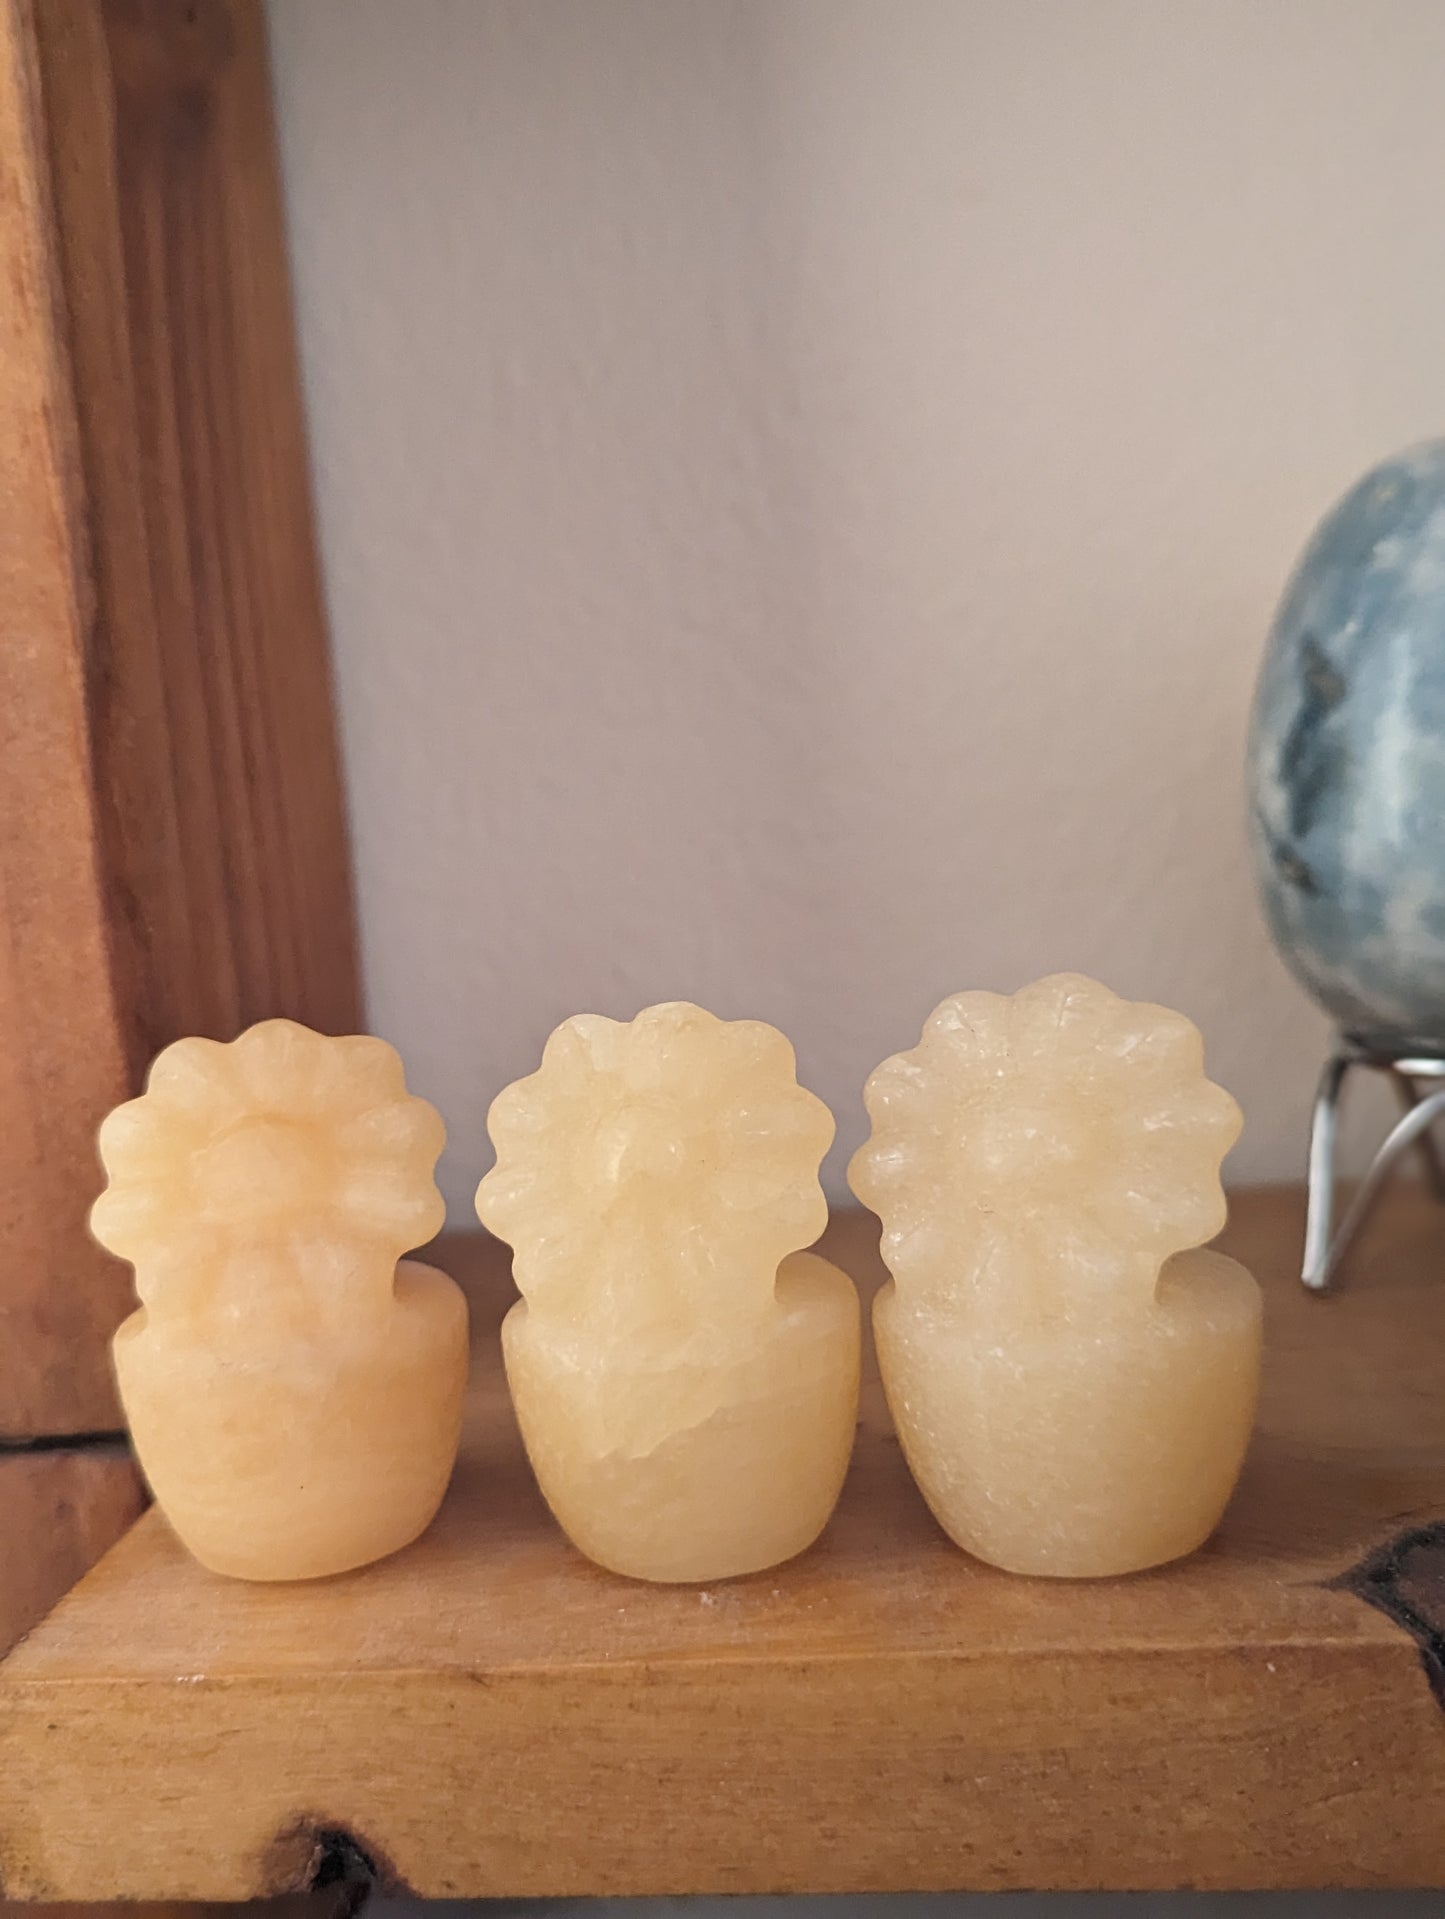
(684, 1376)
(293, 1386)
(1072, 1379)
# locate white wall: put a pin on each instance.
(803, 485)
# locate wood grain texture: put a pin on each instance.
(172, 841)
(60, 1508)
(488, 1714)
(62, 1054)
(59, 1511)
(315, 1905)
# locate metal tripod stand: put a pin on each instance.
(1418, 1076)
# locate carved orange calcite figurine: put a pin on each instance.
(685, 1378)
(293, 1392)
(1073, 1382)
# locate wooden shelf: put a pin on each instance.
(488, 1714)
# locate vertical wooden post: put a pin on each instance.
(172, 836)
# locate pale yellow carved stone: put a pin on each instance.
(685, 1378)
(1073, 1383)
(294, 1393)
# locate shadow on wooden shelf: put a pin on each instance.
(487, 1714)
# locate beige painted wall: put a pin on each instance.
(803, 485)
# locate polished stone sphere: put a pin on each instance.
(1346, 762)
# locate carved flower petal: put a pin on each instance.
(893, 1087)
(1166, 1207)
(514, 1191)
(586, 1042)
(195, 1077)
(279, 1061)
(974, 1025)
(395, 1207)
(752, 1182)
(408, 1129)
(362, 1070)
(881, 1169)
(753, 1049)
(794, 1125)
(1156, 1042)
(129, 1219)
(176, 1268)
(138, 1140)
(1203, 1113)
(523, 1112)
(1061, 1017)
(923, 1250)
(794, 1219)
